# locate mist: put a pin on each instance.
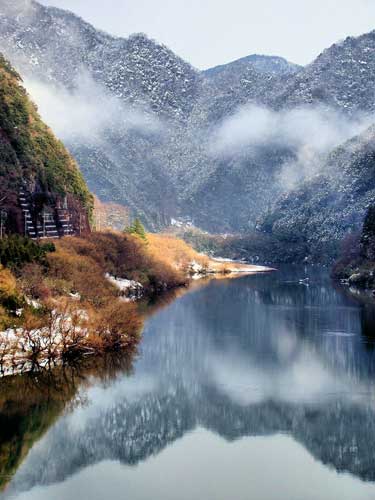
(311, 133)
(86, 112)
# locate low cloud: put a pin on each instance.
(88, 111)
(310, 133)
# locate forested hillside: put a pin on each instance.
(33, 161)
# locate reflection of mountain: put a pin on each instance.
(339, 436)
(297, 366)
(31, 404)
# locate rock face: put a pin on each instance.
(160, 150)
(42, 192)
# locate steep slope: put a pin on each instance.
(135, 90)
(242, 186)
(143, 124)
(158, 171)
(323, 210)
(341, 77)
(34, 166)
(357, 258)
(58, 46)
(249, 79)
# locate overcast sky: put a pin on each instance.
(211, 32)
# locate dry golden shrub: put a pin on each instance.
(83, 273)
(115, 327)
(121, 255)
(97, 320)
(34, 283)
(8, 284)
(172, 250)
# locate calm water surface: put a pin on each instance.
(259, 388)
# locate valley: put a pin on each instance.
(227, 147)
(187, 254)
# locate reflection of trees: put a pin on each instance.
(272, 305)
(31, 403)
(366, 300)
(244, 318)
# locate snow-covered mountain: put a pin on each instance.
(153, 133)
(330, 205)
(272, 65)
(341, 77)
(145, 87)
(57, 46)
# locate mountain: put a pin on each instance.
(332, 204)
(340, 78)
(143, 84)
(42, 191)
(155, 162)
(56, 46)
(151, 132)
(271, 65)
(338, 86)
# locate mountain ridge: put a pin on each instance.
(173, 170)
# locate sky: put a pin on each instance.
(211, 32)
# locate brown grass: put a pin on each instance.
(97, 320)
(171, 250)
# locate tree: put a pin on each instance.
(368, 234)
(16, 251)
(137, 228)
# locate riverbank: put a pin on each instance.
(356, 266)
(77, 298)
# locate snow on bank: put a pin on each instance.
(224, 267)
(238, 266)
(131, 290)
(21, 349)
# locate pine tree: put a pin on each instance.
(137, 228)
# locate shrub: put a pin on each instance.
(174, 252)
(125, 256)
(84, 274)
(9, 297)
(368, 235)
(8, 284)
(16, 251)
(137, 229)
(115, 327)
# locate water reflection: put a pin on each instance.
(239, 362)
(31, 403)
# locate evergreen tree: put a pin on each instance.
(137, 228)
(368, 234)
(15, 251)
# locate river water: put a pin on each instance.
(258, 388)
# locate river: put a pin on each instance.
(257, 388)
